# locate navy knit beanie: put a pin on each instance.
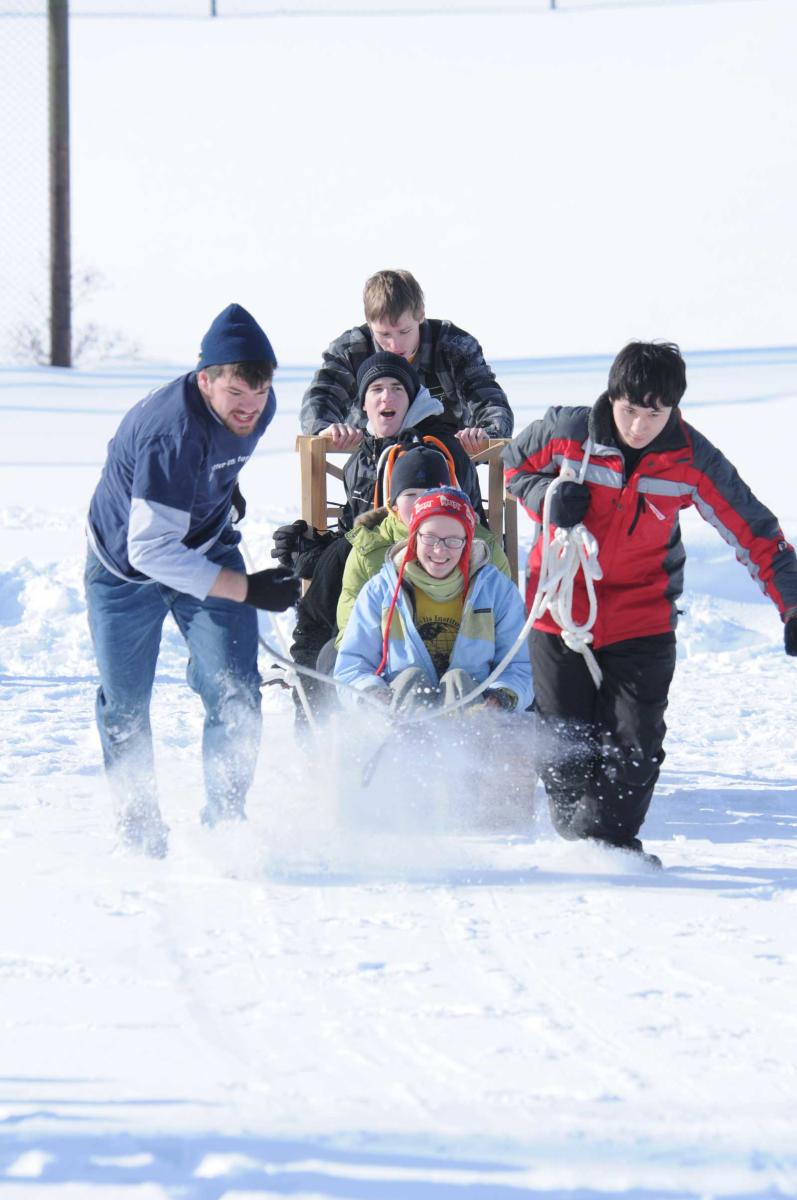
(386, 365)
(235, 337)
(421, 467)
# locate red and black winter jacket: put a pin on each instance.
(636, 519)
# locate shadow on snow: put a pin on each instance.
(206, 1166)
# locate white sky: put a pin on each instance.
(558, 182)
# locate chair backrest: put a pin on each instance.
(315, 467)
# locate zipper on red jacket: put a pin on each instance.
(644, 502)
(640, 508)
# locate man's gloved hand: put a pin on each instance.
(790, 637)
(299, 546)
(274, 589)
(286, 542)
(238, 505)
(569, 504)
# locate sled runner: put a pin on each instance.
(472, 772)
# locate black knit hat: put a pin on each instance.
(235, 337)
(391, 366)
(421, 467)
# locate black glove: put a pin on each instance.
(299, 547)
(286, 542)
(569, 504)
(275, 589)
(238, 505)
(306, 561)
(790, 637)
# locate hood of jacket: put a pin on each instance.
(424, 405)
(369, 520)
(377, 529)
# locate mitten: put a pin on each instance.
(274, 590)
(569, 504)
(492, 700)
(299, 546)
(287, 542)
(313, 545)
(505, 697)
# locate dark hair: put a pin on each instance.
(254, 374)
(648, 374)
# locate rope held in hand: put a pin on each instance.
(569, 551)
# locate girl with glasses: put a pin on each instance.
(437, 618)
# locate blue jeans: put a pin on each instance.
(126, 620)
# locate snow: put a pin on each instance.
(404, 1006)
(394, 1002)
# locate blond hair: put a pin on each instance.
(387, 295)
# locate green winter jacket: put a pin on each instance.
(370, 543)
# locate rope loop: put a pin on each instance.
(563, 556)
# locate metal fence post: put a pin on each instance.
(60, 231)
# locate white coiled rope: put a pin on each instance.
(563, 555)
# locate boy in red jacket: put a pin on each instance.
(603, 747)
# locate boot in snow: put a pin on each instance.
(636, 848)
(214, 813)
(142, 830)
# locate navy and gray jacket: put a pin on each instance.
(164, 494)
(450, 364)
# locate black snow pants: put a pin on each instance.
(316, 623)
(601, 749)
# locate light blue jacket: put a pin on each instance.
(492, 617)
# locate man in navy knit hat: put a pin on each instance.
(161, 541)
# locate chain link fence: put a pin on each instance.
(175, 9)
(24, 227)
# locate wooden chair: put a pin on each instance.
(316, 509)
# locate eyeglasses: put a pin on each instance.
(450, 543)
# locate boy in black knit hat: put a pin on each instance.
(397, 408)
